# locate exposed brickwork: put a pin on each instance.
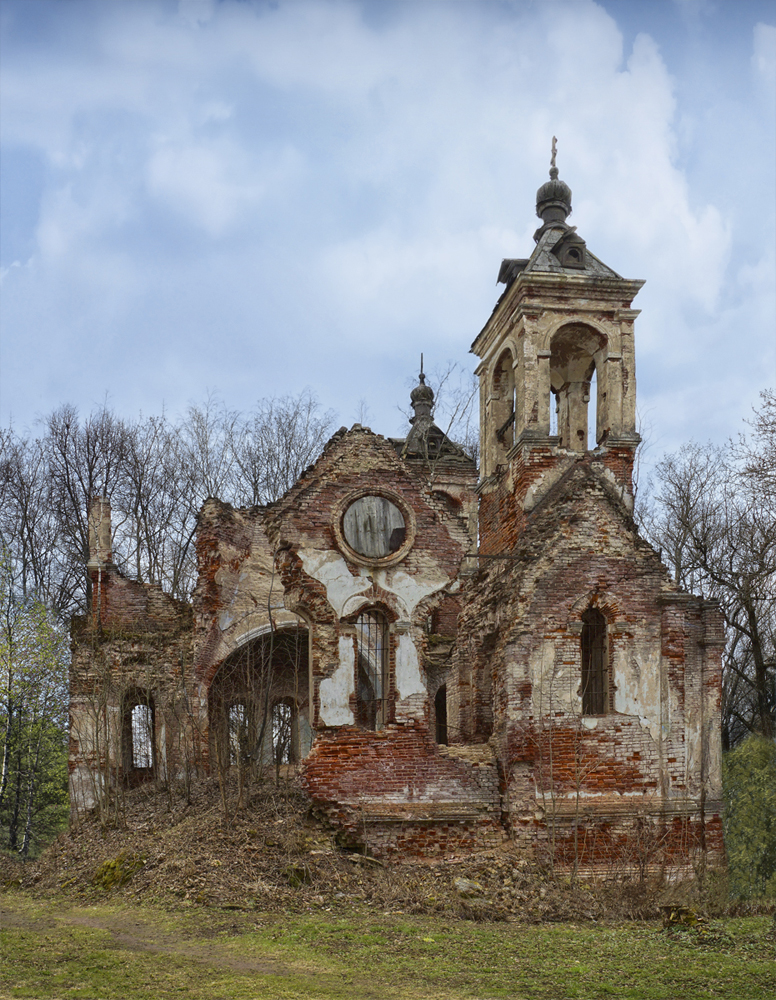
(522, 626)
(135, 647)
(393, 792)
(505, 651)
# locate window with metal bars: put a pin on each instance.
(372, 670)
(594, 663)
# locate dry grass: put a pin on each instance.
(273, 856)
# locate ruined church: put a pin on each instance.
(452, 658)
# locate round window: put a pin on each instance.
(374, 527)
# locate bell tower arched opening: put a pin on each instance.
(576, 353)
(502, 407)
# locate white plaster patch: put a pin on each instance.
(354, 604)
(589, 723)
(337, 689)
(409, 589)
(330, 569)
(637, 689)
(408, 679)
(554, 686)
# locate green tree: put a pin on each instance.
(33, 721)
(749, 781)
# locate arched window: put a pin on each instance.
(138, 742)
(594, 663)
(371, 670)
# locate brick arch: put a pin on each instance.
(610, 333)
(389, 604)
(256, 674)
(604, 600)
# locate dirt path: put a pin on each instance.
(130, 932)
(198, 936)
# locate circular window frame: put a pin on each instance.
(393, 557)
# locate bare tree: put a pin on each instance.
(276, 443)
(713, 517)
(28, 526)
(84, 460)
(156, 475)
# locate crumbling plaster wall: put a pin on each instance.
(137, 641)
(239, 593)
(327, 585)
(654, 752)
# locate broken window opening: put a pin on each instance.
(594, 663)
(592, 425)
(283, 719)
(238, 735)
(138, 725)
(142, 736)
(440, 713)
(372, 670)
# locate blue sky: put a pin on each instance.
(249, 198)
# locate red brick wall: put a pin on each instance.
(391, 791)
(577, 545)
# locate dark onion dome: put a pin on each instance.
(422, 396)
(553, 199)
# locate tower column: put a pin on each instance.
(610, 397)
(541, 409)
(576, 396)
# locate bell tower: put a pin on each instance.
(556, 355)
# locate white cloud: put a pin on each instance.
(289, 179)
(214, 184)
(764, 56)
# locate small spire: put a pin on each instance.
(553, 199)
(422, 398)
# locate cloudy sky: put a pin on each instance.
(248, 198)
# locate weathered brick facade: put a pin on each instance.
(551, 686)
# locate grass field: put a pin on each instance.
(56, 948)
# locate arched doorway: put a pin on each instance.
(259, 701)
